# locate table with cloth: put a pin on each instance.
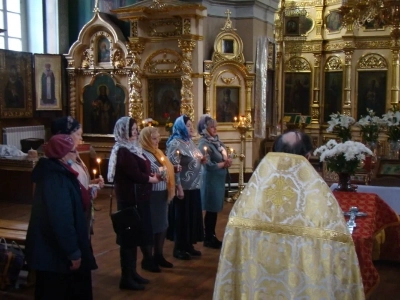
(379, 216)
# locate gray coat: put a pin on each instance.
(213, 183)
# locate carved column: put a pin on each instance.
(347, 82)
(135, 106)
(278, 111)
(315, 106)
(72, 93)
(207, 82)
(249, 87)
(394, 93)
(187, 106)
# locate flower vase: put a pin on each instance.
(394, 147)
(344, 184)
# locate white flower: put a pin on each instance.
(351, 150)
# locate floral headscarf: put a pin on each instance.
(179, 130)
(204, 122)
(121, 136)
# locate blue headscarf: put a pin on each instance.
(179, 130)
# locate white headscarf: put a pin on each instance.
(121, 135)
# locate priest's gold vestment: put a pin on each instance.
(286, 238)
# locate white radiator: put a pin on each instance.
(14, 135)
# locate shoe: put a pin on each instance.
(128, 283)
(162, 262)
(181, 254)
(139, 279)
(212, 242)
(149, 264)
(193, 251)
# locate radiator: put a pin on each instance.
(14, 135)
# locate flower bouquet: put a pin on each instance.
(340, 124)
(168, 123)
(392, 120)
(370, 126)
(343, 158)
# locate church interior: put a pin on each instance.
(259, 68)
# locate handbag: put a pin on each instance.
(12, 260)
(127, 224)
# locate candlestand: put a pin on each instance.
(243, 126)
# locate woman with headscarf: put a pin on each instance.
(130, 172)
(162, 193)
(214, 176)
(70, 126)
(57, 244)
(186, 220)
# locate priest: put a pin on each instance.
(286, 236)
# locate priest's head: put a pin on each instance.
(294, 142)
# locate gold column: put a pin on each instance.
(187, 106)
(72, 93)
(135, 106)
(315, 106)
(394, 93)
(347, 82)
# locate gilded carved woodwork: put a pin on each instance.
(187, 103)
(72, 93)
(164, 62)
(333, 63)
(187, 24)
(135, 106)
(372, 61)
(297, 64)
(165, 27)
(134, 28)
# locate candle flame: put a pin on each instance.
(98, 160)
(94, 171)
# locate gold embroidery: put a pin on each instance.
(319, 233)
(279, 191)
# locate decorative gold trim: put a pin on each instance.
(372, 61)
(324, 234)
(297, 64)
(169, 63)
(333, 63)
(135, 105)
(228, 80)
(72, 93)
(165, 27)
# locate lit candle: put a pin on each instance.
(235, 118)
(162, 161)
(94, 173)
(205, 150)
(98, 160)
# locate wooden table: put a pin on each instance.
(380, 216)
(13, 231)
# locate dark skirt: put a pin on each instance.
(146, 234)
(159, 211)
(186, 219)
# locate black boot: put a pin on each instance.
(148, 262)
(212, 242)
(193, 252)
(128, 267)
(162, 262)
(159, 258)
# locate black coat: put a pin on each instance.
(57, 231)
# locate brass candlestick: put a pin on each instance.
(243, 126)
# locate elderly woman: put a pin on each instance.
(57, 244)
(131, 173)
(186, 226)
(214, 175)
(70, 126)
(163, 192)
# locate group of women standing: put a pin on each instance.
(169, 191)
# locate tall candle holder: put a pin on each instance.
(242, 125)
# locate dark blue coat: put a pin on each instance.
(57, 231)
